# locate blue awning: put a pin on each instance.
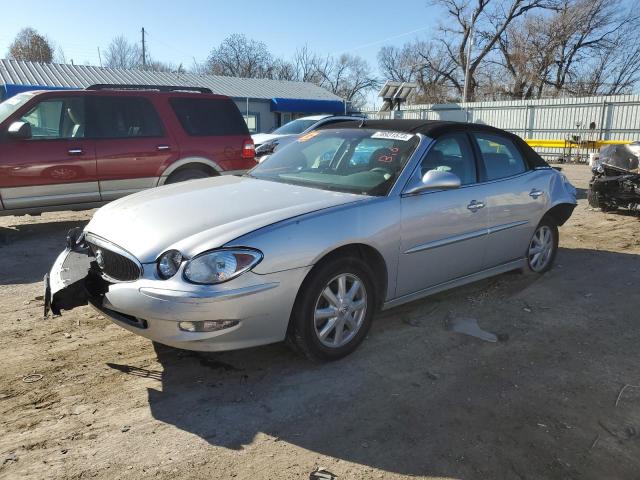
(10, 89)
(301, 105)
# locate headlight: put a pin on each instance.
(169, 263)
(266, 148)
(220, 266)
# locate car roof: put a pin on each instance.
(430, 128)
(314, 117)
(125, 92)
(435, 128)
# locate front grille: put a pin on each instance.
(114, 265)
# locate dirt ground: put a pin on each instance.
(416, 400)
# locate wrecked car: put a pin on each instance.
(307, 246)
(616, 178)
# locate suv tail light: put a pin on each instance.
(248, 149)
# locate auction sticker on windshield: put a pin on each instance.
(393, 136)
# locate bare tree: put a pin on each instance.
(582, 48)
(482, 22)
(30, 46)
(122, 54)
(424, 63)
(239, 56)
(306, 63)
(348, 76)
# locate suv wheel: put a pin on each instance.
(334, 309)
(189, 173)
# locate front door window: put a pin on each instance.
(57, 118)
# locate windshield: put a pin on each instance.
(295, 127)
(12, 104)
(359, 161)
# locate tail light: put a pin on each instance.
(248, 149)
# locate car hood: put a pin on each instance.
(260, 138)
(202, 214)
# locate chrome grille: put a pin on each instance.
(114, 265)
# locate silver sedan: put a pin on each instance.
(335, 226)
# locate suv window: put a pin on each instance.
(452, 153)
(208, 116)
(500, 156)
(123, 117)
(57, 118)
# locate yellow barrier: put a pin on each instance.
(570, 143)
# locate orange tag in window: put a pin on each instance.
(308, 136)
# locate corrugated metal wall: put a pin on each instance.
(615, 117)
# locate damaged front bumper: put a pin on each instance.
(257, 307)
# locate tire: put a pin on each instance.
(305, 332)
(595, 200)
(183, 175)
(545, 237)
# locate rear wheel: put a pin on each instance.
(189, 173)
(543, 246)
(334, 309)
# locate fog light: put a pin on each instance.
(207, 325)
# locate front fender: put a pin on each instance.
(304, 240)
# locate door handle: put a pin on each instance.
(535, 193)
(163, 147)
(475, 206)
(75, 151)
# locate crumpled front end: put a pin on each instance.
(250, 310)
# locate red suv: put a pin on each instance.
(75, 149)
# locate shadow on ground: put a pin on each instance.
(42, 241)
(417, 399)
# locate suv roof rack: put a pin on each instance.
(160, 88)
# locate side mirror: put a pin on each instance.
(19, 130)
(435, 180)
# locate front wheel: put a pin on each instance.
(543, 246)
(334, 309)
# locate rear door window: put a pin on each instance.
(123, 117)
(500, 156)
(202, 117)
(57, 118)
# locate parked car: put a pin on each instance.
(75, 149)
(268, 143)
(616, 178)
(313, 241)
(297, 127)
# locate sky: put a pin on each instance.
(180, 32)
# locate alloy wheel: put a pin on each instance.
(340, 310)
(541, 248)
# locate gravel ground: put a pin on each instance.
(416, 400)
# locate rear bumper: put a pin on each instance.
(260, 304)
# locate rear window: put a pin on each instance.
(208, 117)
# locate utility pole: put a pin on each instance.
(467, 66)
(144, 52)
(99, 57)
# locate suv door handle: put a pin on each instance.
(163, 147)
(535, 193)
(475, 206)
(75, 151)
